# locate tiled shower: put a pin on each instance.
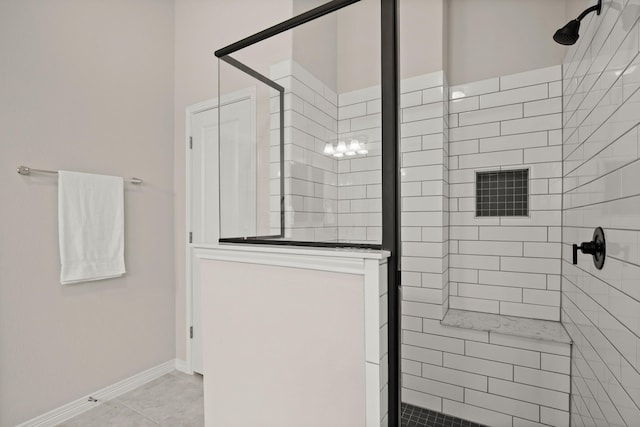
(575, 129)
(506, 264)
(499, 178)
(497, 265)
(454, 260)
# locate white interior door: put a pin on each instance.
(238, 170)
(204, 211)
(205, 224)
(238, 130)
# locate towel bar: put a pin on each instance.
(25, 170)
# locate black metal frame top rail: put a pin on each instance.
(270, 240)
(310, 15)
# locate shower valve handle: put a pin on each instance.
(597, 248)
(589, 248)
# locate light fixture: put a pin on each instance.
(568, 34)
(349, 147)
(328, 149)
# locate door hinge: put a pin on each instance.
(190, 237)
(191, 142)
(191, 332)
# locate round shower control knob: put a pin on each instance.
(597, 248)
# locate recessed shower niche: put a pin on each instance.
(502, 193)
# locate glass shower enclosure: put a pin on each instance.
(312, 158)
(308, 167)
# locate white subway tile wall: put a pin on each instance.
(360, 177)
(486, 377)
(424, 174)
(470, 373)
(425, 196)
(601, 308)
(311, 178)
(508, 123)
(328, 198)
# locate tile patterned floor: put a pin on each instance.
(176, 400)
(173, 400)
(413, 416)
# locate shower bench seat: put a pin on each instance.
(545, 330)
(517, 367)
(294, 336)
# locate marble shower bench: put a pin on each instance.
(510, 370)
(545, 330)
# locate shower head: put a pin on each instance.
(568, 34)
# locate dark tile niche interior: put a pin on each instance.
(502, 193)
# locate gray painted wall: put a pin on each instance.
(491, 38)
(86, 86)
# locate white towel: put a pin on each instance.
(90, 226)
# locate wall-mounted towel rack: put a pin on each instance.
(25, 170)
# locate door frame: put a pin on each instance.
(190, 111)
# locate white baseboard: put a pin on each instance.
(181, 365)
(70, 410)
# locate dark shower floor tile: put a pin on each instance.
(413, 416)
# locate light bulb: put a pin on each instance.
(342, 147)
(363, 149)
(354, 145)
(338, 154)
(328, 149)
